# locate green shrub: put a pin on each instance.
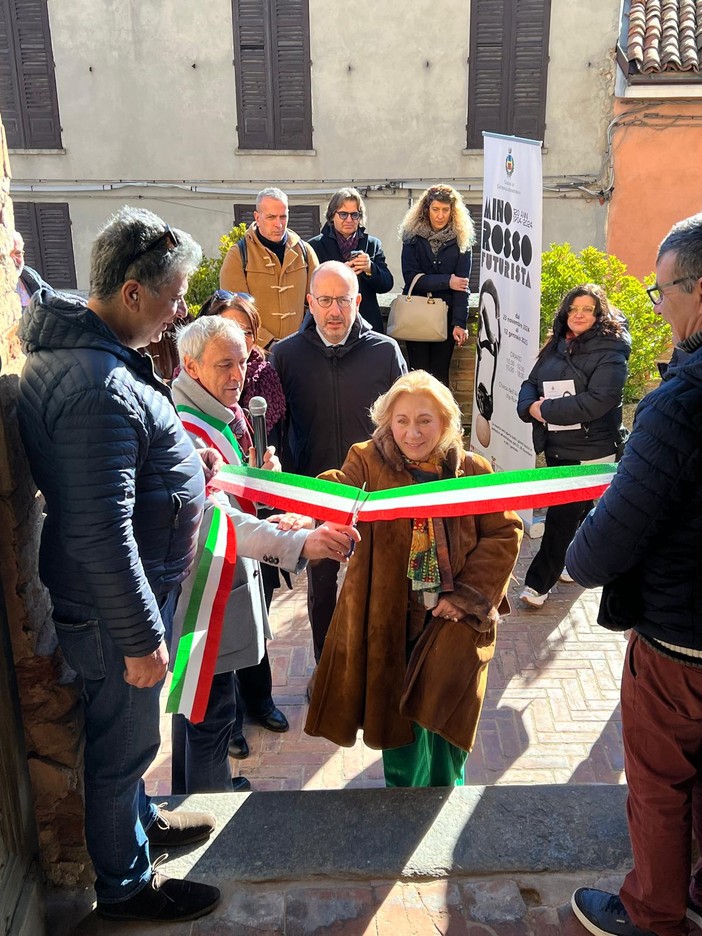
(205, 279)
(562, 269)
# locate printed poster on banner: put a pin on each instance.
(509, 303)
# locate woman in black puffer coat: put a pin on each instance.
(589, 346)
(437, 235)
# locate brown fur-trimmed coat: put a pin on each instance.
(363, 679)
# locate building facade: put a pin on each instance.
(190, 109)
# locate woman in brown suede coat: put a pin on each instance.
(414, 630)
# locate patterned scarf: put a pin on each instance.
(436, 239)
(240, 428)
(346, 244)
(429, 566)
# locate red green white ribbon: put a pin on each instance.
(198, 646)
(478, 494)
(212, 580)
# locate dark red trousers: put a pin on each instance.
(662, 729)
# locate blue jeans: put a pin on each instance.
(121, 740)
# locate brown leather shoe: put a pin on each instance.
(165, 900)
(180, 827)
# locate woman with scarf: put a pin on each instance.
(254, 684)
(344, 238)
(437, 236)
(573, 400)
(407, 652)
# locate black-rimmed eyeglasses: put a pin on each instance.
(326, 302)
(169, 236)
(354, 215)
(655, 292)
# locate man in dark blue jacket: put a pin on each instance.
(332, 370)
(124, 491)
(642, 543)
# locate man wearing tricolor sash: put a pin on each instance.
(221, 623)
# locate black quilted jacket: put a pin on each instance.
(124, 487)
(644, 536)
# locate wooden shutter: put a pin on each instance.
(476, 213)
(304, 219)
(272, 62)
(27, 82)
(508, 68)
(528, 98)
(48, 243)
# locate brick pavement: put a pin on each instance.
(551, 712)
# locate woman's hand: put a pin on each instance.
(535, 411)
(460, 335)
(447, 609)
(292, 521)
(271, 462)
(459, 283)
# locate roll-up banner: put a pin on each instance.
(509, 303)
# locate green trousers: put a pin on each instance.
(428, 761)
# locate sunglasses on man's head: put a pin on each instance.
(169, 236)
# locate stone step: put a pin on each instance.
(406, 834)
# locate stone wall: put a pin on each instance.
(49, 710)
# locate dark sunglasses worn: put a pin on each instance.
(170, 238)
(354, 215)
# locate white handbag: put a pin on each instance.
(418, 318)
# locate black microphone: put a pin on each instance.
(257, 409)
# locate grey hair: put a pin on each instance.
(346, 194)
(192, 339)
(335, 266)
(115, 256)
(685, 241)
(271, 192)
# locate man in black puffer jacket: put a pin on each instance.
(643, 543)
(124, 492)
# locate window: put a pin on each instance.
(303, 219)
(507, 70)
(28, 100)
(48, 244)
(272, 62)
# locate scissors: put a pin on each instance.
(361, 498)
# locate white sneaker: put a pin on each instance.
(531, 597)
(565, 576)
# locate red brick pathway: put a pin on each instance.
(551, 712)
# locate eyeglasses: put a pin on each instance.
(169, 236)
(655, 292)
(587, 310)
(326, 302)
(224, 295)
(354, 215)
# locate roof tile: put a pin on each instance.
(665, 36)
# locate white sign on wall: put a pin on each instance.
(510, 297)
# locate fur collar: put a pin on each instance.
(452, 464)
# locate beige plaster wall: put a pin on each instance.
(389, 93)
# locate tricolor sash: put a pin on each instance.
(212, 578)
(453, 497)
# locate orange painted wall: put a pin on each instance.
(657, 176)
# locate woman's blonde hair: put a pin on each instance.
(461, 220)
(420, 381)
